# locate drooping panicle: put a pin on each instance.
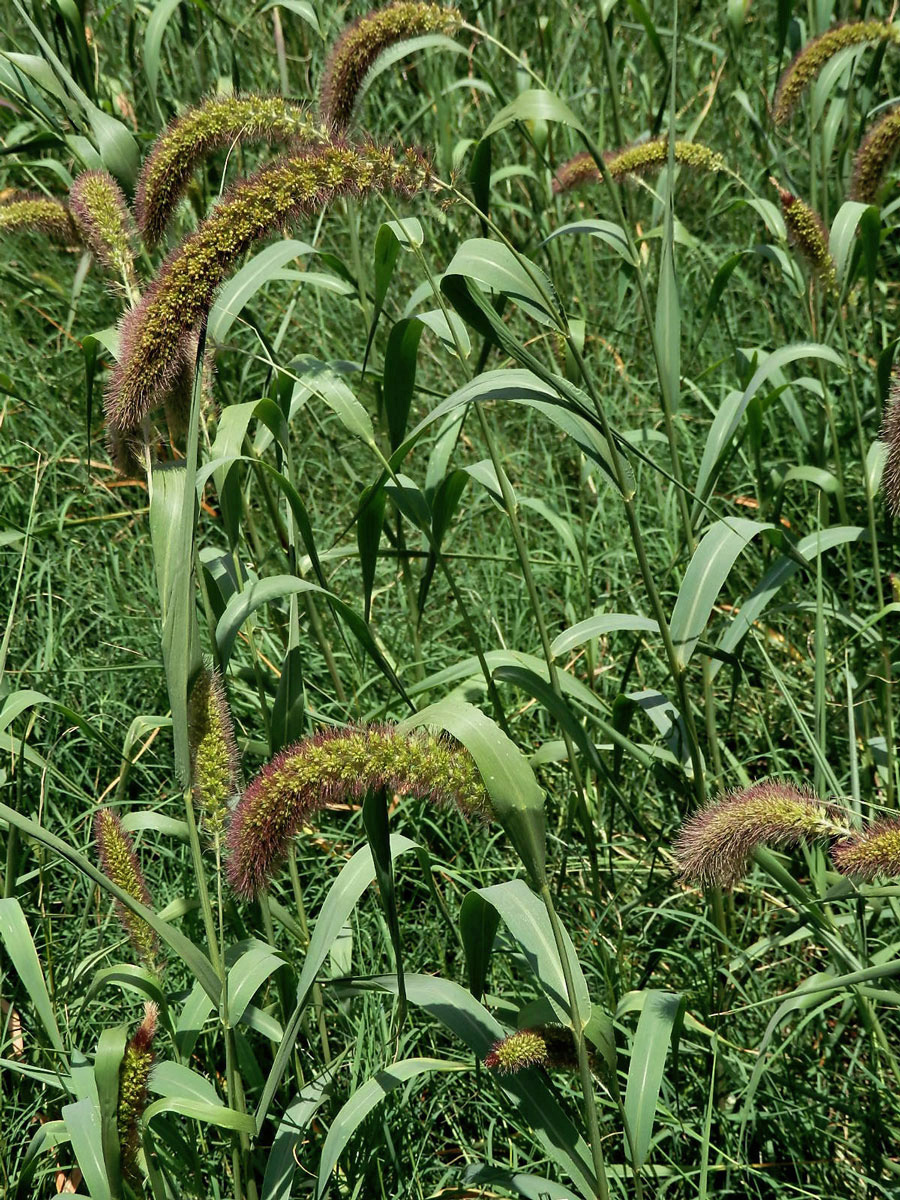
(101, 213)
(549, 1046)
(214, 756)
(807, 232)
(875, 152)
(120, 864)
(872, 851)
(890, 435)
(23, 212)
(340, 765)
(636, 160)
(356, 50)
(810, 60)
(134, 1076)
(218, 123)
(716, 843)
(154, 333)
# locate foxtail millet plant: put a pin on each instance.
(154, 333)
(338, 766)
(875, 152)
(549, 1046)
(634, 161)
(104, 221)
(715, 845)
(356, 50)
(809, 61)
(23, 212)
(214, 755)
(868, 852)
(806, 231)
(134, 1076)
(217, 123)
(119, 863)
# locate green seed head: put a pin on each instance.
(636, 160)
(23, 212)
(120, 864)
(873, 851)
(807, 232)
(334, 767)
(214, 756)
(104, 222)
(520, 1050)
(134, 1075)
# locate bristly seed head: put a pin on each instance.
(548, 1046)
(636, 160)
(516, 1052)
(807, 232)
(890, 435)
(214, 755)
(120, 864)
(354, 53)
(876, 150)
(337, 766)
(810, 60)
(154, 333)
(23, 212)
(218, 123)
(715, 845)
(100, 211)
(870, 852)
(134, 1075)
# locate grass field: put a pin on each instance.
(441, 456)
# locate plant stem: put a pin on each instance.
(584, 1066)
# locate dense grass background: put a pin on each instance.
(749, 1105)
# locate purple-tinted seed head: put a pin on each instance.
(875, 152)
(155, 334)
(339, 766)
(890, 435)
(358, 47)
(715, 845)
(218, 123)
